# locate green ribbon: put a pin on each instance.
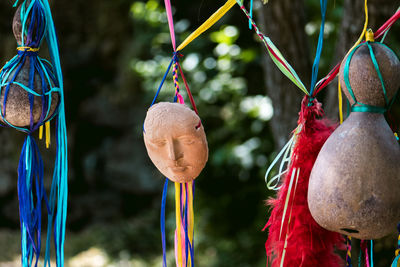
(358, 106)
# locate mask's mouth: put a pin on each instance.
(350, 231)
(178, 168)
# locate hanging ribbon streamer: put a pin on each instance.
(354, 46)
(59, 187)
(184, 234)
(348, 253)
(273, 183)
(251, 14)
(275, 54)
(315, 67)
(162, 222)
(170, 22)
(30, 179)
(208, 23)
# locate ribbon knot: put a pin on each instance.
(177, 55)
(310, 101)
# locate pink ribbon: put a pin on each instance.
(170, 22)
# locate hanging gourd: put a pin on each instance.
(28, 71)
(354, 183)
(31, 90)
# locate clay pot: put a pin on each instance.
(17, 28)
(354, 183)
(18, 110)
(175, 141)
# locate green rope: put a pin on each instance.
(358, 106)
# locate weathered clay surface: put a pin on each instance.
(364, 79)
(175, 141)
(18, 106)
(17, 26)
(354, 183)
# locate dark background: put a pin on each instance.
(114, 54)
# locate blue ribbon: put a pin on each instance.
(30, 182)
(315, 67)
(162, 221)
(251, 14)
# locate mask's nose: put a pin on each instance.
(175, 151)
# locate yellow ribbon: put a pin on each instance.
(369, 36)
(354, 46)
(27, 48)
(47, 125)
(178, 221)
(340, 103)
(207, 24)
(41, 132)
(191, 218)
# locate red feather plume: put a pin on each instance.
(300, 241)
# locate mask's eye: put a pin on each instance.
(187, 141)
(159, 143)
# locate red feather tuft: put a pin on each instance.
(308, 244)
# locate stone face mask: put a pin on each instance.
(175, 141)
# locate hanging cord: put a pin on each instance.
(314, 76)
(354, 46)
(59, 187)
(364, 250)
(251, 14)
(208, 23)
(162, 221)
(348, 254)
(275, 54)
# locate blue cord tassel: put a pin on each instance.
(30, 188)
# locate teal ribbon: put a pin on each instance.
(395, 262)
(358, 106)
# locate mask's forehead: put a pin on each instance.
(171, 120)
(171, 126)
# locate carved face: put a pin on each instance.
(175, 141)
